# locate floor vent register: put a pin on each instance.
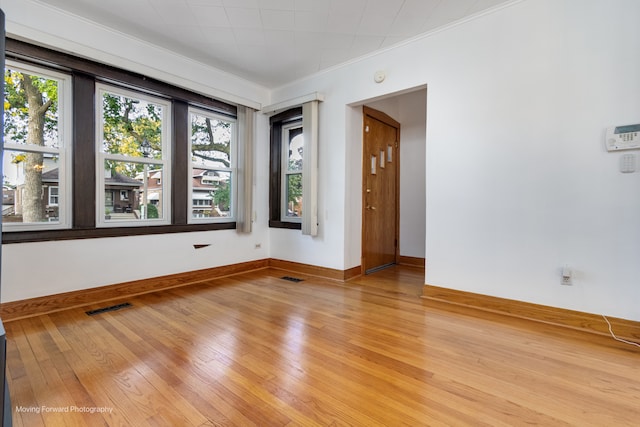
(292, 279)
(110, 308)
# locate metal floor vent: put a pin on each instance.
(292, 279)
(110, 308)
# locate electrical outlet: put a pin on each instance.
(567, 276)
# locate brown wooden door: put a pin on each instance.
(380, 180)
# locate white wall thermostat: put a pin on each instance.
(623, 138)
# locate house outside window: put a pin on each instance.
(133, 148)
(213, 171)
(36, 157)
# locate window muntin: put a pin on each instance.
(292, 155)
(37, 148)
(212, 167)
(133, 133)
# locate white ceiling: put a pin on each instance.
(273, 42)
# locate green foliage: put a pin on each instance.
(294, 188)
(294, 191)
(222, 196)
(16, 106)
(152, 211)
(127, 122)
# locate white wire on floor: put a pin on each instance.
(614, 335)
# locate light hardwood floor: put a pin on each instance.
(254, 349)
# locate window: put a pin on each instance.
(293, 170)
(212, 150)
(133, 154)
(284, 177)
(101, 144)
(53, 196)
(37, 148)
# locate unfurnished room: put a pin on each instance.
(320, 213)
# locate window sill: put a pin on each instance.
(94, 233)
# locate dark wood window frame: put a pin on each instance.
(85, 74)
(276, 123)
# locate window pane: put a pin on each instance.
(212, 147)
(296, 145)
(211, 141)
(131, 127)
(25, 95)
(34, 174)
(30, 189)
(294, 195)
(132, 191)
(211, 197)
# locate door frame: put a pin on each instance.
(388, 120)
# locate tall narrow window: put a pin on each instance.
(37, 149)
(133, 155)
(285, 169)
(213, 171)
(293, 169)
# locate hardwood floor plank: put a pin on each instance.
(255, 350)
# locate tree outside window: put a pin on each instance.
(212, 149)
(133, 155)
(35, 151)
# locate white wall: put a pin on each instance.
(82, 264)
(518, 180)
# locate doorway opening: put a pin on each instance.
(380, 190)
(409, 110)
